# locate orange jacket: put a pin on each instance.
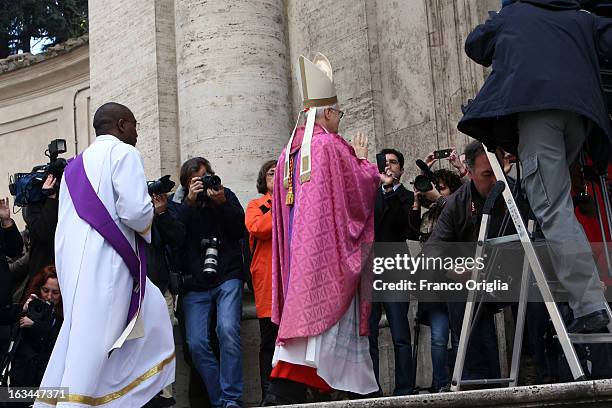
(259, 225)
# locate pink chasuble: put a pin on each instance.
(316, 243)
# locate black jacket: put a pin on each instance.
(545, 56)
(34, 351)
(460, 222)
(392, 216)
(167, 234)
(11, 245)
(41, 220)
(225, 222)
(461, 216)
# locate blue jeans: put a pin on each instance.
(397, 316)
(482, 358)
(223, 379)
(438, 319)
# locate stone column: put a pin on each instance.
(133, 62)
(339, 30)
(232, 86)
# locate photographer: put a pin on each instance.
(41, 220)
(11, 245)
(392, 224)
(211, 264)
(167, 234)
(39, 327)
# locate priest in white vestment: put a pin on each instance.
(116, 347)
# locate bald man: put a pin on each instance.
(115, 348)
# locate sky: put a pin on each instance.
(37, 44)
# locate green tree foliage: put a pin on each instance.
(53, 20)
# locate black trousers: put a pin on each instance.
(268, 332)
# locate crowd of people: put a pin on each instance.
(90, 290)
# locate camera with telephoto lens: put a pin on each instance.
(40, 311)
(27, 187)
(162, 186)
(211, 255)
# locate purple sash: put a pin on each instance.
(91, 209)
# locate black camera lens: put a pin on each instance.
(211, 181)
(211, 255)
(162, 186)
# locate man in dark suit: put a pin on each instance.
(392, 224)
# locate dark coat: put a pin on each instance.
(392, 216)
(11, 245)
(41, 220)
(460, 218)
(167, 234)
(225, 222)
(545, 56)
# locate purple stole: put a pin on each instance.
(90, 209)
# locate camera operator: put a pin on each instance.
(434, 199)
(392, 224)
(435, 314)
(211, 266)
(11, 245)
(41, 221)
(39, 327)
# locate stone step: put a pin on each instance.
(587, 394)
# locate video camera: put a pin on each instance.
(162, 186)
(423, 182)
(27, 187)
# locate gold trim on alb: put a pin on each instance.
(95, 401)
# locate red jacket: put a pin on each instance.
(258, 220)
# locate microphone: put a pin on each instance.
(421, 164)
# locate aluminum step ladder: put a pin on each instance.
(531, 268)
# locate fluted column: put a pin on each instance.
(232, 86)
